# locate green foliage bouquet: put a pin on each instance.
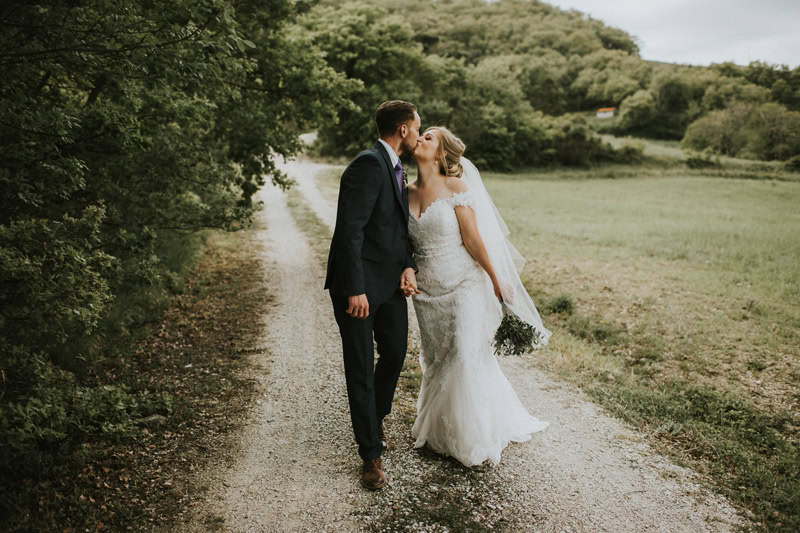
(515, 336)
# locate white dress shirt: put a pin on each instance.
(392, 155)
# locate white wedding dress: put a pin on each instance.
(466, 409)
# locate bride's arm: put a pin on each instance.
(474, 244)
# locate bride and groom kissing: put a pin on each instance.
(441, 241)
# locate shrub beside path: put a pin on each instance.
(296, 467)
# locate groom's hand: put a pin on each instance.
(358, 306)
(408, 282)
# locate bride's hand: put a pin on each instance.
(498, 293)
(507, 290)
(504, 292)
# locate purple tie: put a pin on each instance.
(398, 171)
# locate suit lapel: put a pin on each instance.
(397, 193)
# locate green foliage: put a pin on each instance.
(606, 78)
(466, 58)
(126, 128)
(775, 133)
(544, 81)
(702, 160)
(783, 83)
(721, 131)
(793, 164)
(492, 100)
(59, 409)
(745, 448)
(354, 39)
(499, 127)
(722, 92)
(561, 304)
(573, 142)
(765, 131)
(637, 111)
(496, 73)
(58, 277)
(473, 30)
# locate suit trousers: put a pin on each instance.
(370, 386)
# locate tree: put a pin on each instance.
(606, 78)
(471, 80)
(783, 93)
(126, 126)
(638, 112)
(543, 81)
(721, 131)
(758, 131)
(777, 132)
(354, 40)
(723, 91)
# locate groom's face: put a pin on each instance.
(410, 132)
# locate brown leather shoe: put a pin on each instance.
(372, 476)
(382, 436)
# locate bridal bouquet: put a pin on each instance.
(514, 336)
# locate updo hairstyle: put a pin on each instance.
(449, 152)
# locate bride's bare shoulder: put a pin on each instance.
(455, 184)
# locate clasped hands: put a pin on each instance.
(408, 282)
(358, 305)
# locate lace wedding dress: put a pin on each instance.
(466, 409)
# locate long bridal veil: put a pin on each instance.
(506, 260)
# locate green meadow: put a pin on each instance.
(707, 267)
(675, 302)
(674, 298)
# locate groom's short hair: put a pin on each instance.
(393, 114)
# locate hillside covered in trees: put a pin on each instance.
(516, 78)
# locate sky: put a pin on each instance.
(700, 32)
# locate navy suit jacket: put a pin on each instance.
(369, 249)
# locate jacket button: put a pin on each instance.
(403, 237)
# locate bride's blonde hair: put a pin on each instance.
(449, 153)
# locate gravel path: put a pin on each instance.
(293, 470)
(326, 211)
(297, 469)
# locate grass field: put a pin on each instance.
(674, 296)
(712, 265)
(676, 305)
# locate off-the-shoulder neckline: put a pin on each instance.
(422, 214)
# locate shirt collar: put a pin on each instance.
(392, 155)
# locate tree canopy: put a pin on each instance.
(125, 126)
(495, 72)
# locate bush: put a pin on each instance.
(561, 304)
(720, 131)
(60, 409)
(629, 154)
(113, 155)
(637, 111)
(765, 131)
(699, 161)
(572, 142)
(793, 164)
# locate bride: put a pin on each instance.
(466, 409)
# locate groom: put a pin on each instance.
(370, 271)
